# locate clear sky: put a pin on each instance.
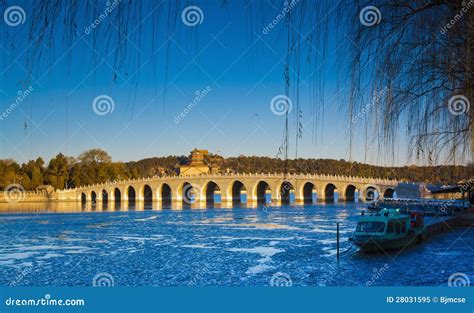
(242, 69)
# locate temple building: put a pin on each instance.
(196, 165)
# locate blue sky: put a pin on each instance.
(242, 67)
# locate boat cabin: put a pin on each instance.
(388, 229)
(384, 222)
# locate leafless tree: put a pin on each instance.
(422, 52)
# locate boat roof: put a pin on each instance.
(383, 215)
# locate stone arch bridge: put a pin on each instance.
(234, 188)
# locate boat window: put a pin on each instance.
(370, 227)
(404, 227)
(390, 227)
(398, 227)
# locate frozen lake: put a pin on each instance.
(285, 245)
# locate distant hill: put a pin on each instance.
(253, 164)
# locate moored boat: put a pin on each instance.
(388, 229)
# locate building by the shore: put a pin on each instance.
(412, 191)
(461, 190)
(196, 165)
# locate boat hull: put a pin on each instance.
(374, 245)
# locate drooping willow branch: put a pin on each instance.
(408, 53)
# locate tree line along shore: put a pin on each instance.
(96, 166)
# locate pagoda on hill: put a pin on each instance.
(196, 165)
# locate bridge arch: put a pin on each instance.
(306, 192)
(371, 192)
(83, 197)
(350, 193)
(166, 194)
(93, 197)
(388, 193)
(105, 196)
(147, 195)
(329, 192)
(260, 190)
(117, 195)
(189, 193)
(209, 191)
(236, 190)
(131, 195)
(285, 190)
